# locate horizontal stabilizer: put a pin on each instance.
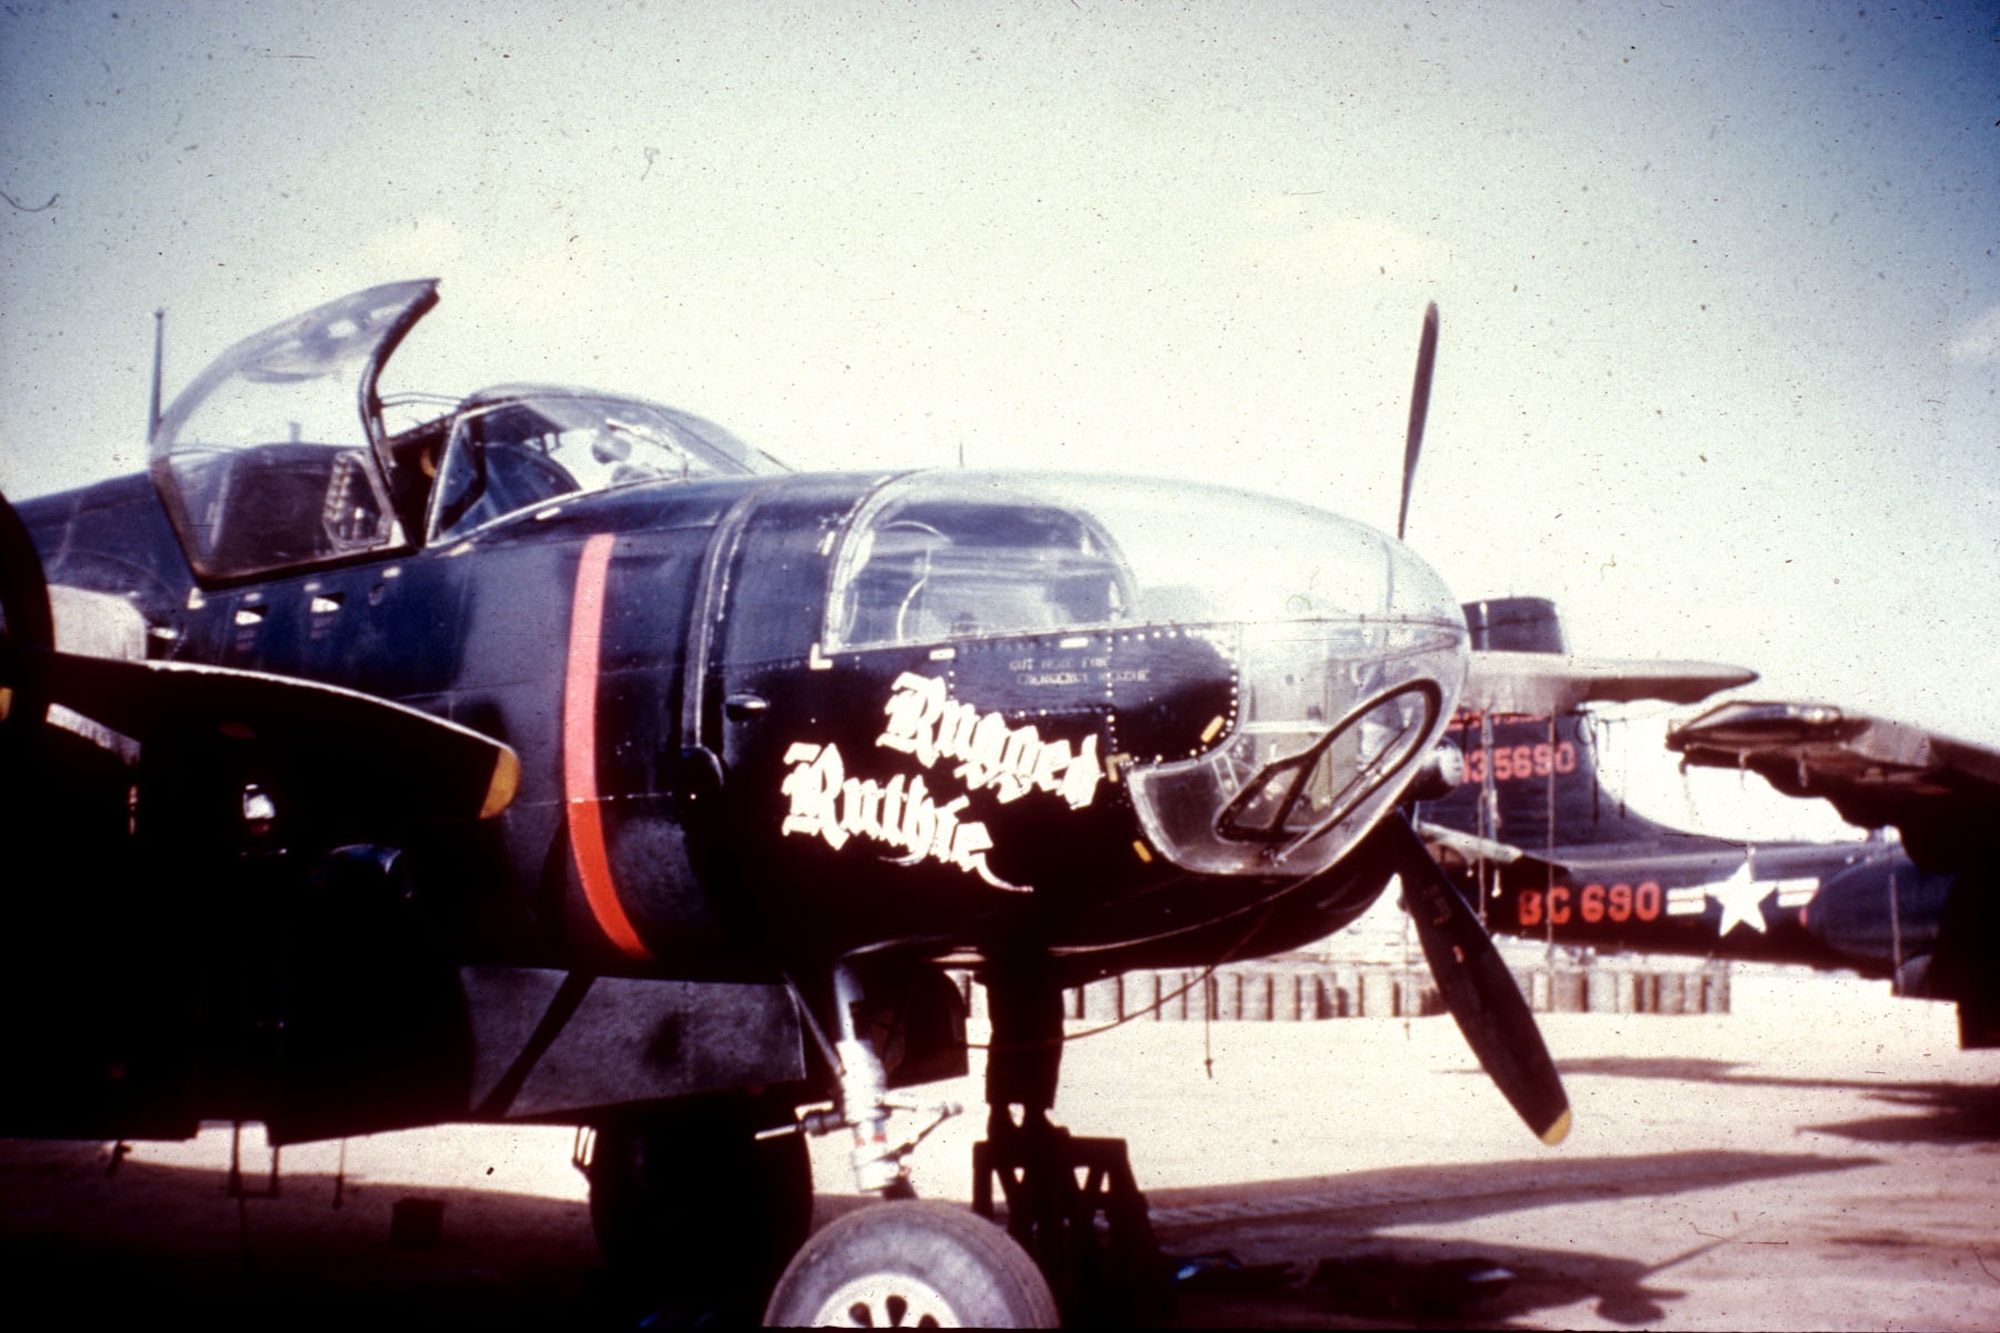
(1468, 845)
(1538, 684)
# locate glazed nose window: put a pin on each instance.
(1313, 660)
(934, 567)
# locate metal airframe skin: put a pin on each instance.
(769, 719)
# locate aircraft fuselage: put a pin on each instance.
(1593, 873)
(958, 792)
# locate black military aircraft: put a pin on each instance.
(1532, 834)
(735, 762)
(1934, 909)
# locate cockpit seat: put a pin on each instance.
(272, 508)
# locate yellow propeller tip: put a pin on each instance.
(505, 782)
(1559, 1131)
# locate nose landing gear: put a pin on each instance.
(1071, 1202)
(1077, 1239)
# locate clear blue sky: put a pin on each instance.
(1721, 359)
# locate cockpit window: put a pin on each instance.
(517, 450)
(928, 567)
(940, 555)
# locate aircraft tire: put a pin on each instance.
(690, 1208)
(909, 1262)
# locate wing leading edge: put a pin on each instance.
(1937, 790)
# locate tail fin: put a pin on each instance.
(1515, 625)
(1532, 782)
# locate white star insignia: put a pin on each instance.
(1741, 898)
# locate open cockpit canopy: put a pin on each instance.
(270, 459)
(276, 458)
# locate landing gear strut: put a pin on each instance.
(901, 1262)
(1072, 1202)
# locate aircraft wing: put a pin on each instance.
(1538, 684)
(349, 749)
(1935, 789)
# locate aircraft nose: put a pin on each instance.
(1344, 683)
(1271, 673)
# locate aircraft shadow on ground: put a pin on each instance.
(1934, 1112)
(163, 1239)
(1353, 1273)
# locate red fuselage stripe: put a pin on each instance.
(586, 820)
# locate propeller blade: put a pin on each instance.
(1420, 407)
(1478, 988)
(25, 623)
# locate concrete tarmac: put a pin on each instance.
(1821, 1157)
